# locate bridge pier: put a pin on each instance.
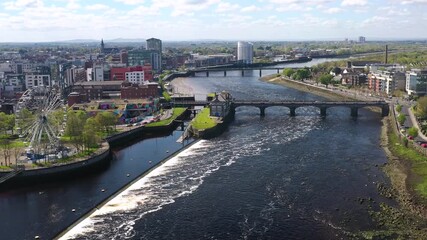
(225, 73)
(385, 110)
(292, 111)
(354, 111)
(278, 71)
(207, 73)
(182, 126)
(262, 111)
(243, 73)
(260, 72)
(323, 111)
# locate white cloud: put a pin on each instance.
(97, 7)
(227, 7)
(251, 8)
(414, 1)
(21, 4)
(131, 2)
(354, 3)
(333, 10)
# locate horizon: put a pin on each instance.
(30, 21)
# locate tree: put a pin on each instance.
(302, 74)
(336, 70)
(106, 120)
(413, 131)
(90, 137)
(399, 108)
(7, 122)
(74, 129)
(401, 119)
(421, 110)
(326, 79)
(288, 72)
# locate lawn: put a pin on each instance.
(176, 112)
(203, 120)
(419, 162)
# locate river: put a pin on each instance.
(276, 177)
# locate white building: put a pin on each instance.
(416, 81)
(136, 77)
(245, 52)
(32, 80)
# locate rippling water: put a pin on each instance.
(276, 177)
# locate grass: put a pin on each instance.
(5, 168)
(203, 120)
(176, 112)
(15, 144)
(419, 162)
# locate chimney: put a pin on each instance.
(386, 54)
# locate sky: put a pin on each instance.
(169, 20)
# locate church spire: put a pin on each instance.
(102, 46)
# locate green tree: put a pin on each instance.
(288, 72)
(326, 79)
(90, 136)
(399, 108)
(401, 119)
(302, 74)
(106, 120)
(421, 109)
(413, 131)
(7, 122)
(74, 129)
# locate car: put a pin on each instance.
(137, 124)
(410, 138)
(424, 145)
(129, 125)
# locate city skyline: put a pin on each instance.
(277, 20)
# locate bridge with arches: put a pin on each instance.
(354, 106)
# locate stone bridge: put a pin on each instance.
(293, 105)
(322, 105)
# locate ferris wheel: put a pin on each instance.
(40, 131)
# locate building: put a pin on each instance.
(138, 91)
(385, 82)
(416, 82)
(143, 57)
(245, 52)
(154, 44)
(136, 77)
(119, 73)
(33, 80)
(362, 39)
(197, 60)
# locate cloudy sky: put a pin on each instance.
(52, 20)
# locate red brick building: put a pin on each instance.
(135, 91)
(119, 74)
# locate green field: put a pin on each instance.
(203, 120)
(419, 162)
(176, 113)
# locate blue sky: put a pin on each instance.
(52, 20)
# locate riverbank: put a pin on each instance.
(408, 221)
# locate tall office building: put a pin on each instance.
(155, 46)
(245, 52)
(362, 39)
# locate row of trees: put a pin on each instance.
(86, 132)
(306, 73)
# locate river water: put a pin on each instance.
(276, 177)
